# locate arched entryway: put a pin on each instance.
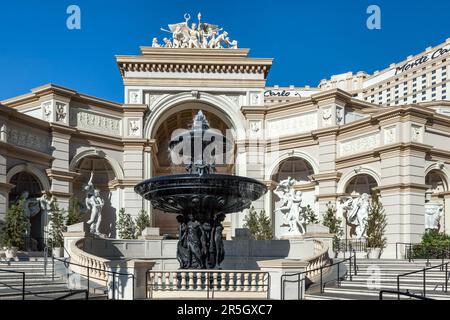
(104, 180)
(181, 117)
(360, 184)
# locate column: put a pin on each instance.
(5, 187)
(59, 174)
(133, 165)
(445, 220)
(150, 151)
(403, 195)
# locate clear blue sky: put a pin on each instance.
(310, 40)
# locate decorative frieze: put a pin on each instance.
(292, 125)
(360, 144)
(255, 129)
(134, 128)
(416, 133)
(96, 122)
(47, 111)
(390, 135)
(327, 117)
(28, 139)
(134, 97)
(61, 112)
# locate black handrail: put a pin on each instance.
(89, 269)
(399, 293)
(299, 280)
(74, 292)
(23, 279)
(409, 249)
(442, 266)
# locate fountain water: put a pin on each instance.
(201, 198)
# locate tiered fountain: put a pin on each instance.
(201, 198)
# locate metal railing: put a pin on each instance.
(350, 245)
(406, 294)
(443, 267)
(301, 277)
(417, 251)
(73, 293)
(23, 279)
(254, 284)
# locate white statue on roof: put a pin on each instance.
(198, 35)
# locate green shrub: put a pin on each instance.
(57, 224)
(376, 224)
(142, 222)
(310, 216)
(434, 245)
(74, 212)
(260, 225)
(334, 224)
(125, 226)
(15, 227)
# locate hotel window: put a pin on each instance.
(414, 101)
(444, 85)
(444, 97)
(433, 72)
(414, 90)
(434, 89)
(405, 99)
(433, 95)
(433, 78)
(405, 83)
(433, 83)
(414, 85)
(424, 81)
(396, 87)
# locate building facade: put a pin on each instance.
(338, 140)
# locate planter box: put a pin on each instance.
(11, 253)
(373, 253)
(58, 252)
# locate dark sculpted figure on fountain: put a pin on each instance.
(200, 245)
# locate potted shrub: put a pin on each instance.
(335, 225)
(376, 228)
(142, 222)
(15, 230)
(126, 227)
(57, 227)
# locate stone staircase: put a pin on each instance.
(39, 284)
(367, 284)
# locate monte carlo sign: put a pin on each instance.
(430, 56)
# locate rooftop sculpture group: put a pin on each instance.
(201, 35)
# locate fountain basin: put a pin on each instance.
(206, 195)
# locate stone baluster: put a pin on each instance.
(183, 281)
(239, 282)
(191, 281)
(246, 282)
(199, 281)
(215, 281)
(253, 284)
(262, 282)
(167, 281)
(231, 282)
(223, 282)
(160, 280)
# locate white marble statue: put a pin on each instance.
(433, 214)
(198, 35)
(290, 206)
(356, 212)
(46, 201)
(31, 208)
(95, 204)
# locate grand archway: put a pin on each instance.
(181, 117)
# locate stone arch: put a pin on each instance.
(443, 172)
(97, 153)
(223, 105)
(33, 170)
(289, 154)
(347, 177)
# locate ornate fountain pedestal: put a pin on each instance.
(201, 198)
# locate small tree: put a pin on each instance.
(260, 225)
(57, 226)
(310, 216)
(142, 222)
(125, 226)
(74, 213)
(334, 224)
(15, 227)
(376, 224)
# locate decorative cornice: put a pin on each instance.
(336, 176)
(26, 154)
(61, 175)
